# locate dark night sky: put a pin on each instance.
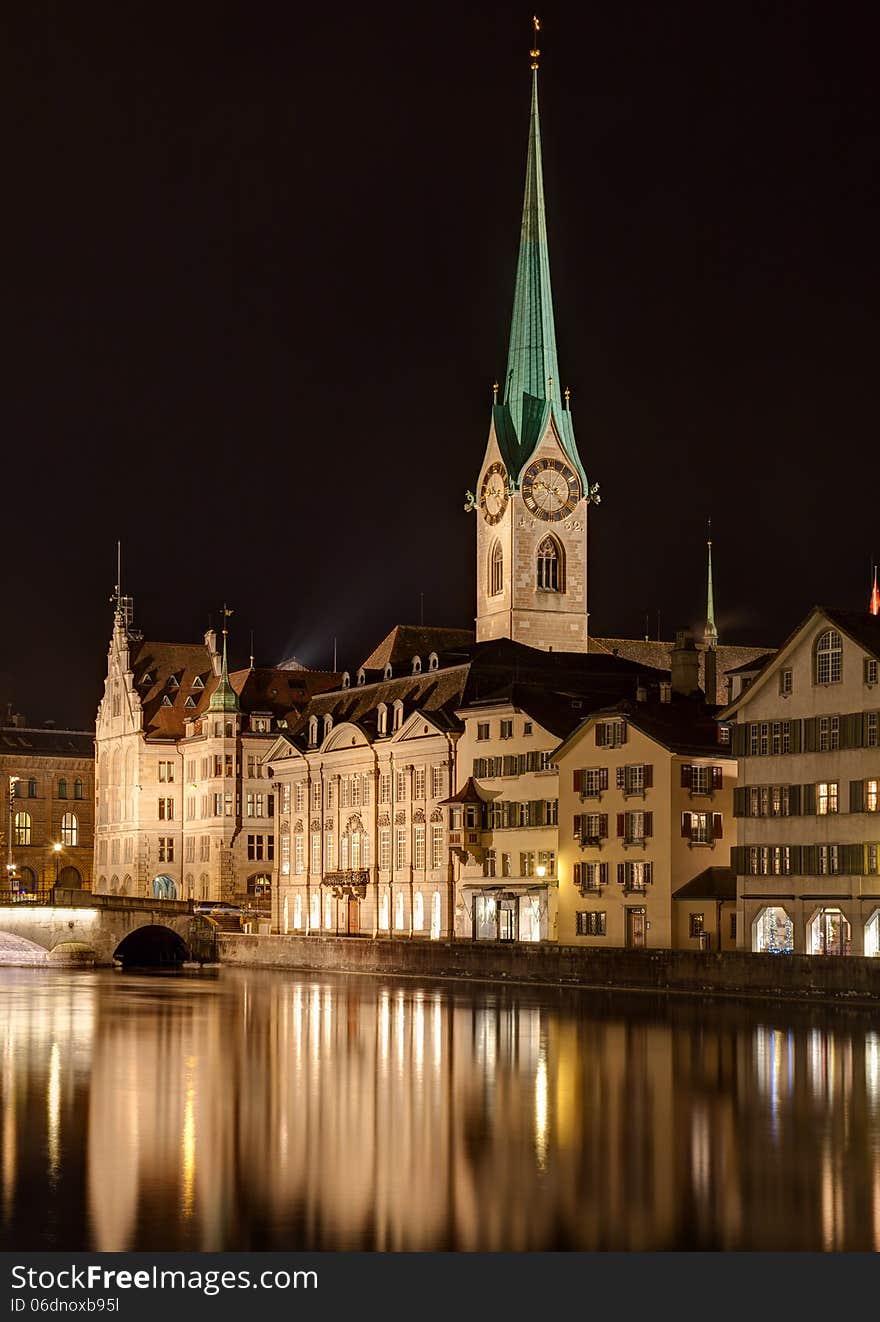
(258, 277)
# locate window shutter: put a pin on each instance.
(796, 736)
(852, 858)
(576, 874)
(809, 800)
(810, 860)
(736, 859)
(739, 740)
(621, 824)
(648, 775)
(796, 859)
(794, 800)
(685, 776)
(603, 825)
(536, 813)
(578, 825)
(717, 778)
(857, 796)
(620, 778)
(603, 874)
(717, 827)
(810, 734)
(685, 824)
(578, 782)
(649, 873)
(621, 874)
(739, 801)
(649, 824)
(600, 734)
(603, 778)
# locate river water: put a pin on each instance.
(261, 1110)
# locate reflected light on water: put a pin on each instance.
(279, 1111)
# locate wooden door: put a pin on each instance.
(635, 929)
(354, 916)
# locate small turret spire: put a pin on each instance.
(224, 698)
(710, 633)
(874, 602)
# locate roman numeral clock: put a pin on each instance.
(550, 490)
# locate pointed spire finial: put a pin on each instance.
(534, 52)
(494, 392)
(710, 633)
(874, 602)
(224, 698)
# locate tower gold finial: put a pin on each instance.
(494, 392)
(534, 52)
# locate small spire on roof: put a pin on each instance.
(874, 602)
(224, 698)
(710, 633)
(534, 52)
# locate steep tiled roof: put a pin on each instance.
(408, 640)
(282, 692)
(659, 654)
(683, 725)
(436, 692)
(862, 627)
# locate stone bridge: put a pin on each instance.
(76, 927)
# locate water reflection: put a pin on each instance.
(278, 1111)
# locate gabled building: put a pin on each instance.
(806, 734)
(183, 806)
(645, 805)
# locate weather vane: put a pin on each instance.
(534, 52)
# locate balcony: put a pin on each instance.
(348, 882)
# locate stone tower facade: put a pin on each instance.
(532, 492)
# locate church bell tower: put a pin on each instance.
(532, 492)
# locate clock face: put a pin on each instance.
(550, 489)
(493, 493)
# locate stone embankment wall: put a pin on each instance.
(731, 973)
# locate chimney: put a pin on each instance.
(710, 675)
(685, 665)
(211, 645)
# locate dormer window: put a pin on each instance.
(198, 682)
(346, 679)
(417, 665)
(361, 677)
(382, 718)
(328, 724)
(190, 703)
(433, 661)
(388, 672)
(172, 682)
(261, 724)
(313, 731)
(146, 678)
(398, 714)
(166, 701)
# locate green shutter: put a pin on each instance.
(797, 860)
(857, 796)
(794, 800)
(809, 734)
(808, 800)
(739, 801)
(796, 732)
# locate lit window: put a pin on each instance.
(871, 795)
(22, 828)
(69, 830)
(826, 797)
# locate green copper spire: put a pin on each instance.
(710, 633)
(224, 698)
(532, 391)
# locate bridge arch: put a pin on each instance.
(152, 946)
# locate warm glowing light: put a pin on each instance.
(541, 1110)
(56, 848)
(188, 1141)
(53, 1111)
(541, 870)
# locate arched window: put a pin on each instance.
(313, 730)
(69, 830)
(398, 714)
(328, 724)
(433, 661)
(418, 911)
(417, 665)
(382, 718)
(550, 566)
(32, 787)
(77, 789)
(829, 657)
(62, 788)
(346, 679)
(496, 569)
(22, 828)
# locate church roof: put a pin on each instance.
(532, 391)
(408, 640)
(729, 658)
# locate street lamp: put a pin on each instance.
(56, 850)
(11, 877)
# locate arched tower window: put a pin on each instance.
(829, 657)
(496, 569)
(550, 566)
(69, 830)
